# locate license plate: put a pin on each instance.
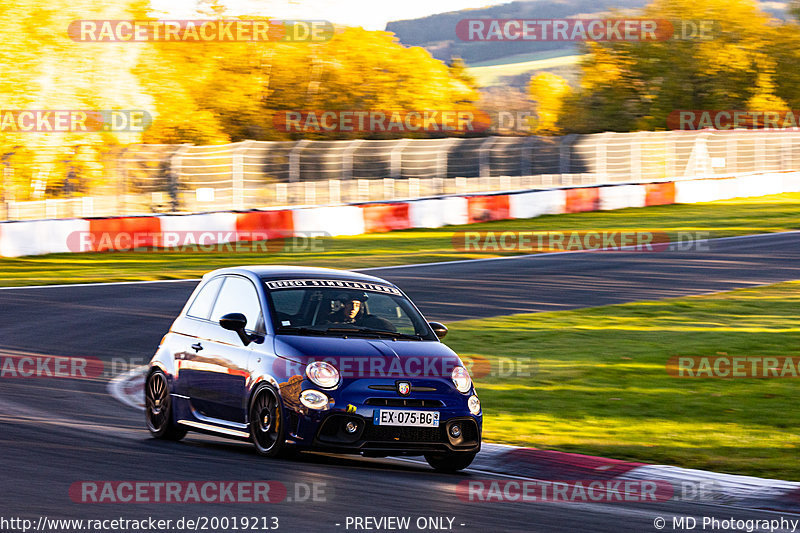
(395, 417)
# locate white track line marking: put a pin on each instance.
(414, 265)
(116, 387)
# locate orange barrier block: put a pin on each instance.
(583, 199)
(486, 208)
(264, 225)
(379, 218)
(660, 193)
(124, 233)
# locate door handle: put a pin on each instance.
(197, 347)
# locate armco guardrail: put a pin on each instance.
(184, 178)
(57, 236)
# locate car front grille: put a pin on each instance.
(403, 402)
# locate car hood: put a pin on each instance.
(426, 355)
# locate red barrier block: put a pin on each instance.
(660, 193)
(265, 225)
(124, 233)
(583, 199)
(486, 208)
(379, 218)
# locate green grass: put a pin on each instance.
(489, 75)
(724, 218)
(524, 58)
(599, 384)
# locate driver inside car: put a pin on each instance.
(353, 311)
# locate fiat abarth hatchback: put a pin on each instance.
(313, 359)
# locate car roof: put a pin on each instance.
(276, 272)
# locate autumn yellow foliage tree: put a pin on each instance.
(747, 60)
(548, 91)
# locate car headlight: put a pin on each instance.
(314, 399)
(474, 405)
(323, 374)
(461, 379)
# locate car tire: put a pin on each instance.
(158, 409)
(450, 462)
(267, 427)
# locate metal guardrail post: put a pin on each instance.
(526, 156)
(636, 159)
(760, 149)
(334, 192)
(237, 174)
(565, 153)
(671, 151)
(347, 158)
(699, 161)
(294, 160)
(601, 157)
(174, 175)
(122, 171)
(396, 159)
(413, 188)
(731, 161)
(485, 157)
(7, 171)
(442, 157)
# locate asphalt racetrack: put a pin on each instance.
(56, 432)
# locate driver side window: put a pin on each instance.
(238, 295)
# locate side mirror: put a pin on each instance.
(439, 329)
(236, 322)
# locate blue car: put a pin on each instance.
(296, 359)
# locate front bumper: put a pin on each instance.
(397, 439)
(357, 401)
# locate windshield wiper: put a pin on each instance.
(379, 332)
(343, 330)
(301, 329)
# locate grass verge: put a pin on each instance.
(724, 218)
(598, 382)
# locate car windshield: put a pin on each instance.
(347, 308)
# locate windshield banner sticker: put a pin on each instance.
(336, 283)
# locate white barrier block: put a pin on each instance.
(791, 182)
(727, 188)
(536, 203)
(622, 196)
(39, 237)
(773, 183)
(454, 211)
(748, 186)
(217, 223)
(63, 236)
(426, 213)
(694, 191)
(337, 220)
